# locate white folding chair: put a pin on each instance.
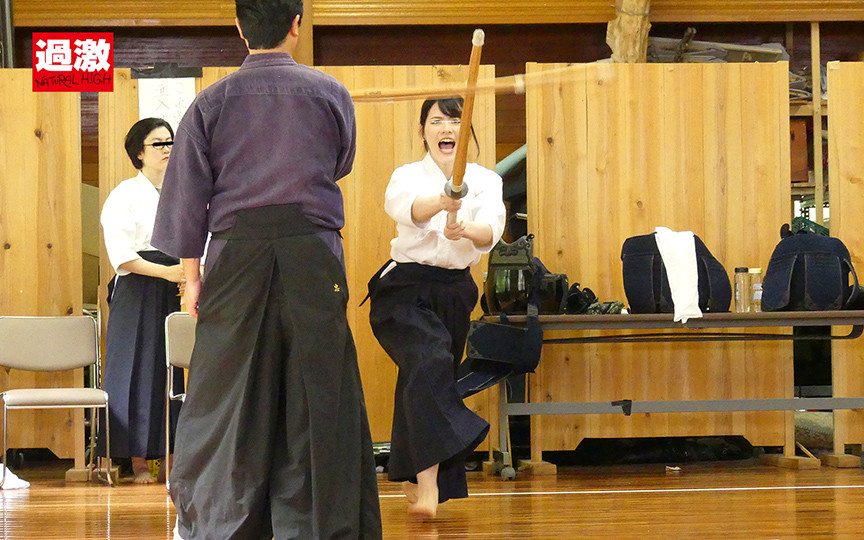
(53, 344)
(179, 342)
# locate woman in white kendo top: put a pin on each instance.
(143, 292)
(421, 308)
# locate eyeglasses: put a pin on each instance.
(454, 121)
(161, 144)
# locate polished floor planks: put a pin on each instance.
(710, 500)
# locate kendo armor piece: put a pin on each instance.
(512, 272)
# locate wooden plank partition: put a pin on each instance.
(615, 150)
(40, 240)
(47, 13)
(387, 137)
(846, 171)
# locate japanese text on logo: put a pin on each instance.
(73, 62)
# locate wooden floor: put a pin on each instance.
(742, 499)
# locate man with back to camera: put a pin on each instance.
(273, 440)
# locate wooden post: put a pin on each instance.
(818, 172)
(627, 34)
(7, 35)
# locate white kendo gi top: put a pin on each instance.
(127, 220)
(425, 242)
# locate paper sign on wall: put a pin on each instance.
(165, 98)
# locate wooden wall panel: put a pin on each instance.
(96, 13)
(616, 150)
(508, 47)
(40, 240)
(756, 10)
(346, 12)
(46, 13)
(387, 137)
(846, 166)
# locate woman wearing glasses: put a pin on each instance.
(421, 307)
(142, 293)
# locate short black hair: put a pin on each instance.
(452, 107)
(138, 132)
(266, 23)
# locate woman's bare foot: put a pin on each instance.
(425, 507)
(427, 494)
(410, 491)
(141, 471)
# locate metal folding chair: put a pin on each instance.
(179, 342)
(54, 344)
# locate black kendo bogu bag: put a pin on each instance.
(516, 283)
(809, 272)
(510, 276)
(646, 284)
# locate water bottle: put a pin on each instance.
(742, 289)
(755, 275)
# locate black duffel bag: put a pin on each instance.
(647, 286)
(809, 272)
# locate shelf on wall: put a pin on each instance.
(805, 108)
(805, 188)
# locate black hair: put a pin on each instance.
(452, 107)
(266, 23)
(138, 132)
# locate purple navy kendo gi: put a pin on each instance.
(273, 438)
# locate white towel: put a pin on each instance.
(12, 481)
(678, 250)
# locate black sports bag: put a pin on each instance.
(647, 286)
(809, 272)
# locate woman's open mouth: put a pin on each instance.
(447, 144)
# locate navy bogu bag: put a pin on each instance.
(514, 273)
(809, 272)
(517, 282)
(647, 286)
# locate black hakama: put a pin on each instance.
(420, 315)
(273, 439)
(135, 373)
